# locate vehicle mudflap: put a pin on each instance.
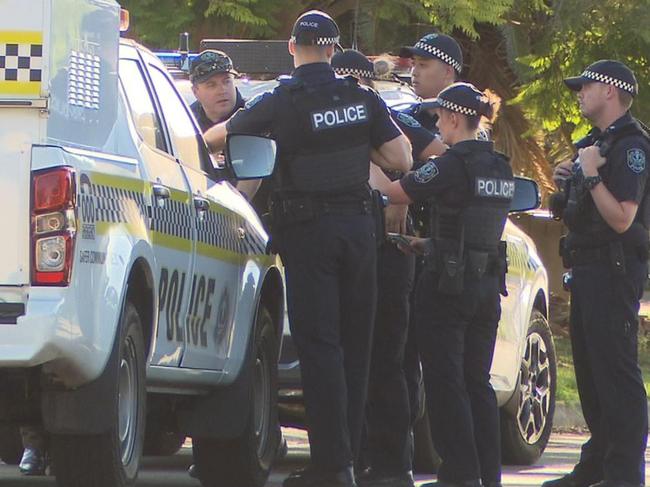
(222, 414)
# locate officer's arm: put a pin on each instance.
(619, 215)
(394, 155)
(215, 137)
(392, 189)
(435, 148)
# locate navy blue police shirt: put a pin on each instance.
(625, 175)
(419, 136)
(444, 177)
(205, 122)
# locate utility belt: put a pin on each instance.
(301, 210)
(452, 266)
(613, 253)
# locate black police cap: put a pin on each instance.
(315, 28)
(463, 98)
(353, 63)
(438, 46)
(208, 63)
(606, 71)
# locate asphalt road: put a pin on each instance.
(561, 454)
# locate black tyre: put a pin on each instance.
(158, 442)
(11, 444)
(111, 459)
(526, 427)
(425, 456)
(246, 461)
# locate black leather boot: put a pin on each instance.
(312, 477)
(33, 462)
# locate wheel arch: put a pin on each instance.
(140, 292)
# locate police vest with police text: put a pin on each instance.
(326, 144)
(479, 224)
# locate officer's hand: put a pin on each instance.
(590, 160)
(561, 172)
(395, 216)
(418, 246)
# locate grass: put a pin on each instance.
(566, 383)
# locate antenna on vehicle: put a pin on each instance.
(184, 50)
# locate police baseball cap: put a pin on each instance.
(208, 63)
(606, 71)
(353, 63)
(315, 28)
(438, 46)
(463, 98)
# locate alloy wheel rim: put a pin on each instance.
(535, 389)
(261, 401)
(127, 401)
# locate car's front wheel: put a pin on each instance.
(246, 461)
(525, 430)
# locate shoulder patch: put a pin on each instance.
(636, 160)
(408, 120)
(426, 172)
(254, 101)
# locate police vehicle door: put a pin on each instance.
(217, 269)
(171, 227)
(506, 363)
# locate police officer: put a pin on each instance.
(213, 84)
(457, 298)
(326, 128)
(607, 249)
(388, 449)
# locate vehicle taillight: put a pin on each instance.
(53, 226)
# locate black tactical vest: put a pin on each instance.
(587, 227)
(325, 137)
(477, 225)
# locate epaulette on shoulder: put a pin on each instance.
(289, 82)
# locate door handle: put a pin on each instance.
(161, 192)
(241, 233)
(201, 204)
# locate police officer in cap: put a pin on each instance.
(388, 449)
(327, 129)
(457, 307)
(213, 83)
(607, 214)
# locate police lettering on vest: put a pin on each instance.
(495, 188)
(339, 117)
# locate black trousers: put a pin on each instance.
(604, 339)
(456, 338)
(331, 266)
(388, 415)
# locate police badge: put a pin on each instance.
(408, 120)
(254, 101)
(426, 173)
(636, 160)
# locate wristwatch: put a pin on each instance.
(591, 182)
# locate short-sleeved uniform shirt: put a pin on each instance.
(260, 112)
(206, 123)
(444, 177)
(419, 136)
(625, 175)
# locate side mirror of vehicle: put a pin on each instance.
(527, 195)
(250, 156)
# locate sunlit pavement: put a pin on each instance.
(562, 452)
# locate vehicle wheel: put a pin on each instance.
(246, 461)
(425, 456)
(525, 433)
(162, 443)
(11, 444)
(111, 459)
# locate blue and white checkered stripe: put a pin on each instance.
(173, 218)
(118, 205)
(221, 230)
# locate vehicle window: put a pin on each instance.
(181, 127)
(144, 115)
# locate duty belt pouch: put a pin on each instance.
(617, 258)
(478, 262)
(502, 267)
(564, 253)
(452, 274)
(378, 203)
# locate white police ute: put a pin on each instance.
(138, 301)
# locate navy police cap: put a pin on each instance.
(353, 63)
(463, 98)
(606, 71)
(315, 28)
(438, 46)
(208, 63)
